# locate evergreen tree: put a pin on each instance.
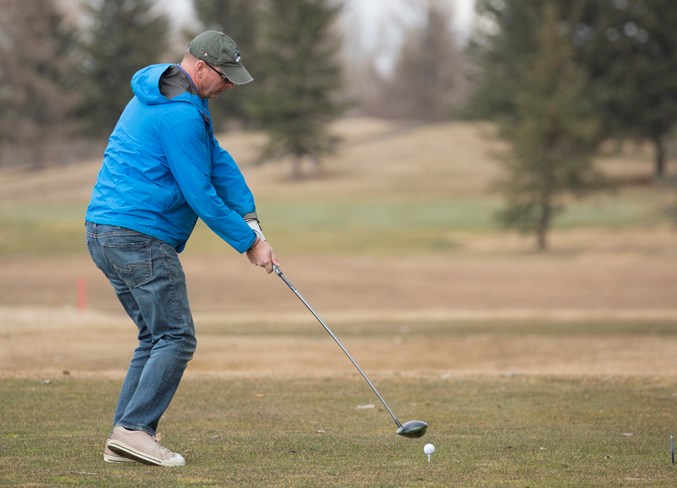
(124, 36)
(500, 46)
(36, 61)
(239, 20)
(553, 134)
(300, 77)
(629, 48)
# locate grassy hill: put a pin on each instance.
(391, 189)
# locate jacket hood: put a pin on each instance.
(146, 87)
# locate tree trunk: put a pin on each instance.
(297, 168)
(659, 151)
(314, 165)
(39, 150)
(543, 226)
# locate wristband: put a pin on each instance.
(256, 227)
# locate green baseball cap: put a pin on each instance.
(218, 49)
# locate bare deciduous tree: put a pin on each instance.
(35, 66)
(427, 80)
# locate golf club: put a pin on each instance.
(412, 428)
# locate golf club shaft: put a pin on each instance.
(279, 273)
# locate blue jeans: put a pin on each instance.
(149, 282)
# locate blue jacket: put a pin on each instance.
(163, 168)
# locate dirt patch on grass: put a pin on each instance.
(47, 342)
(229, 283)
(107, 353)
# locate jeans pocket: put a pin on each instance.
(131, 261)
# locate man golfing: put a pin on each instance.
(162, 169)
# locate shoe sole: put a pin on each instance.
(116, 459)
(129, 452)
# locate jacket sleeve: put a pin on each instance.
(187, 144)
(229, 183)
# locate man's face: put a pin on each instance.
(213, 81)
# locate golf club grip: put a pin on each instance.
(279, 273)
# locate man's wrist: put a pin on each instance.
(256, 242)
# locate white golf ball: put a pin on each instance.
(428, 449)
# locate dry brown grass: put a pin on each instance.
(243, 324)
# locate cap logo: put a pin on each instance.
(237, 55)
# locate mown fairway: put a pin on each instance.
(555, 369)
(263, 431)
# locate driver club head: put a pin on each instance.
(412, 429)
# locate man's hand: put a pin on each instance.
(261, 254)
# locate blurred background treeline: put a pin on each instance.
(561, 80)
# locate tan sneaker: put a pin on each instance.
(144, 448)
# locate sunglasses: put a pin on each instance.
(225, 78)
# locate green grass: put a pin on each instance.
(43, 230)
(405, 225)
(340, 227)
(409, 226)
(489, 431)
(612, 211)
(515, 328)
